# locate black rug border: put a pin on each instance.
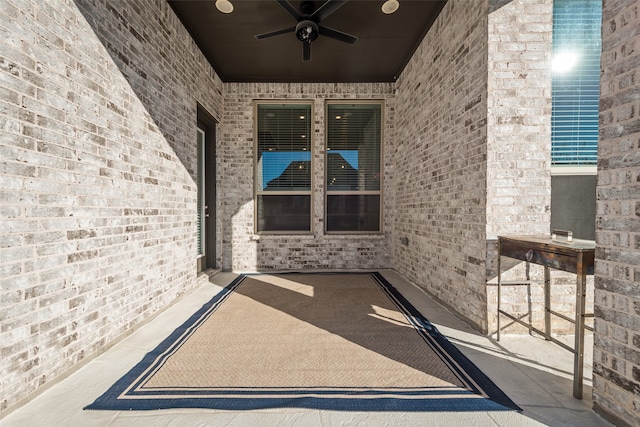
(366, 401)
(487, 385)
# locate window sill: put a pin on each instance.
(574, 170)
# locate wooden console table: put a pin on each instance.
(577, 257)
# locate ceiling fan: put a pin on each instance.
(308, 28)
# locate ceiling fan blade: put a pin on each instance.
(306, 51)
(337, 35)
(275, 33)
(290, 9)
(327, 9)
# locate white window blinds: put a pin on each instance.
(283, 167)
(353, 147)
(575, 81)
(200, 201)
(353, 164)
(284, 147)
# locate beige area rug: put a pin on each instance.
(330, 341)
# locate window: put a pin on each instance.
(283, 167)
(575, 100)
(575, 82)
(200, 199)
(353, 165)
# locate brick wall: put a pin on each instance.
(440, 162)
(473, 156)
(245, 251)
(97, 167)
(617, 302)
(519, 119)
(519, 151)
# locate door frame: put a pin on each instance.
(207, 124)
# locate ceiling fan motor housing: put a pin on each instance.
(307, 7)
(307, 31)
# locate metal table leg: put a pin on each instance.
(547, 303)
(578, 365)
(499, 296)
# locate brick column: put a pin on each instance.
(518, 130)
(616, 367)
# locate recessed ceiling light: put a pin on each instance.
(224, 6)
(390, 6)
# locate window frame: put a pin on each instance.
(379, 192)
(574, 142)
(259, 192)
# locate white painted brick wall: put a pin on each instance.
(97, 191)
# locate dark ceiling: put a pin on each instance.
(385, 42)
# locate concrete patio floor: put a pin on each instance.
(534, 373)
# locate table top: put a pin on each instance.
(541, 240)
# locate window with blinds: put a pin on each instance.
(575, 82)
(353, 166)
(283, 167)
(200, 199)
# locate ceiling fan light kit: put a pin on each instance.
(224, 6)
(307, 31)
(390, 6)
